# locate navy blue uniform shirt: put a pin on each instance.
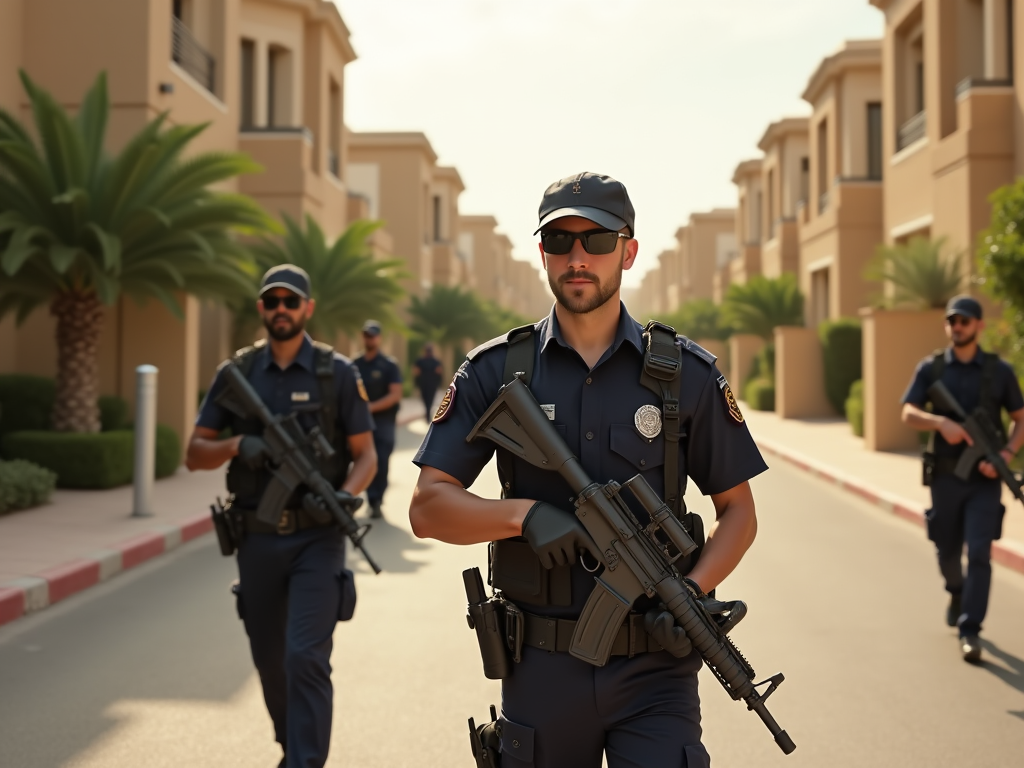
(594, 410)
(295, 389)
(430, 372)
(963, 380)
(378, 376)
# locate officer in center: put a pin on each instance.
(642, 708)
(964, 511)
(293, 584)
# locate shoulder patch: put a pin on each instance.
(730, 400)
(692, 346)
(445, 407)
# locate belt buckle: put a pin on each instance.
(514, 630)
(286, 525)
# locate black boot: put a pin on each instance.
(375, 513)
(953, 611)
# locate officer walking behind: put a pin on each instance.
(589, 364)
(427, 375)
(964, 511)
(293, 585)
(383, 380)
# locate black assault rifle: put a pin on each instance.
(987, 440)
(291, 465)
(636, 561)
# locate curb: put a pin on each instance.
(1007, 553)
(34, 593)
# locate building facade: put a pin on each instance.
(749, 224)
(784, 184)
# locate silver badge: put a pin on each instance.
(549, 411)
(648, 421)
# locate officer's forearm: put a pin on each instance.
(210, 453)
(364, 467)
(449, 513)
(728, 539)
(919, 419)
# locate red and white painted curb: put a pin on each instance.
(33, 593)
(1006, 553)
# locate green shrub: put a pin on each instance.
(760, 394)
(855, 408)
(113, 413)
(767, 361)
(81, 460)
(24, 484)
(25, 402)
(841, 351)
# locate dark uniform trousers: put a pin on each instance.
(291, 595)
(428, 394)
(384, 443)
(965, 512)
(642, 712)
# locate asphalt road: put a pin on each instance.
(152, 668)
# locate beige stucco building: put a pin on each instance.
(784, 177)
(840, 224)
(749, 226)
(268, 77)
(706, 247)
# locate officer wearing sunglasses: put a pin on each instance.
(587, 364)
(964, 511)
(293, 585)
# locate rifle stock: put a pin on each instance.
(635, 560)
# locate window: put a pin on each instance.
(248, 105)
(771, 203)
(437, 218)
(874, 141)
(279, 92)
(823, 175)
(819, 296)
(805, 180)
(334, 129)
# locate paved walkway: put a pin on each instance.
(84, 537)
(827, 448)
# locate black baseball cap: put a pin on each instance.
(371, 328)
(601, 199)
(287, 276)
(963, 305)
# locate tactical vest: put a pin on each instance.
(513, 567)
(989, 364)
(247, 485)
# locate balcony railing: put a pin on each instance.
(188, 54)
(979, 82)
(911, 131)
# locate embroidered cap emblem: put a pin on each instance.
(648, 421)
(576, 185)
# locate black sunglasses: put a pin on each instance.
(596, 242)
(290, 302)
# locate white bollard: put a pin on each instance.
(145, 439)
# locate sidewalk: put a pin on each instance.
(81, 538)
(827, 448)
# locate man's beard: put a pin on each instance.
(283, 333)
(578, 304)
(965, 341)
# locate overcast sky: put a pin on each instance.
(665, 95)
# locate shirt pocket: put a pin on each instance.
(641, 453)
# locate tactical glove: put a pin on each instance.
(253, 452)
(556, 535)
(661, 625)
(348, 501)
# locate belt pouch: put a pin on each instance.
(488, 619)
(516, 570)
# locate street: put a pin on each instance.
(153, 668)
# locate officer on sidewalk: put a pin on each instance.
(427, 373)
(589, 364)
(383, 379)
(293, 584)
(964, 511)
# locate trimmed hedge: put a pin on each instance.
(24, 484)
(26, 403)
(81, 460)
(760, 394)
(855, 408)
(841, 350)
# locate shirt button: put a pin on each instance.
(643, 462)
(590, 435)
(590, 380)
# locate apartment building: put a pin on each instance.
(268, 78)
(669, 283)
(647, 298)
(784, 181)
(749, 225)
(841, 221)
(706, 247)
(950, 128)
(490, 254)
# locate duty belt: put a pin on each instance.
(555, 635)
(292, 520)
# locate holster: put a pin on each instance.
(489, 620)
(485, 741)
(227, 523)
(927, 468)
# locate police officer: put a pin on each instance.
(427, 373)
(293, 584)
(587, 360)
(383, 380)
(964, 511)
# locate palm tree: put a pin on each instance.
(762, 304)
(349, 285)
(700, 319)
(79, 227)
(918, 273)
(447, 315)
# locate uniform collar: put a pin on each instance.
(628, 330)
(979, 356)
(303, 359)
